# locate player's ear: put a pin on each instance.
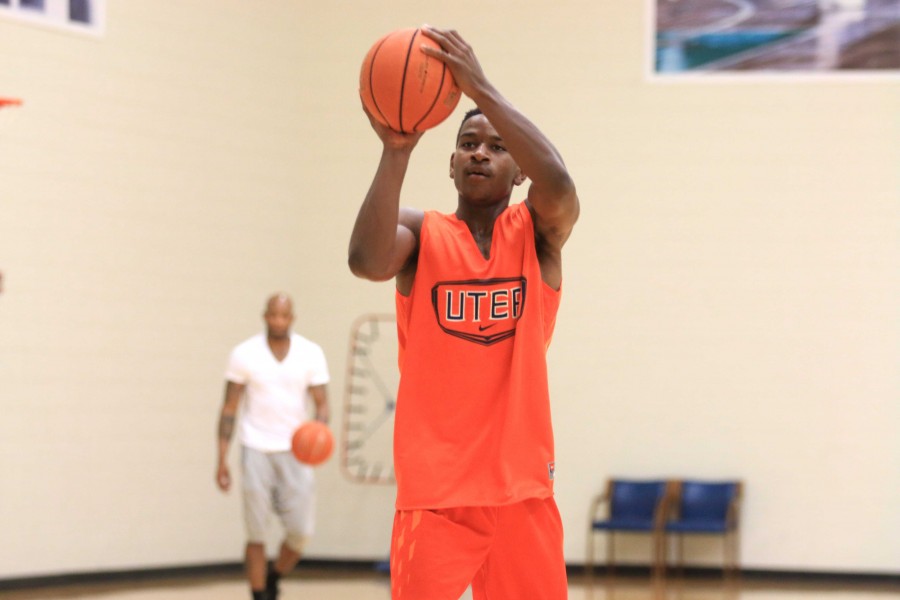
(520, 177)
(452, 161)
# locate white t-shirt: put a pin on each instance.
(276, 394)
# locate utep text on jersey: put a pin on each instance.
(484, 311)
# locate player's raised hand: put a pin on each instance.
(459, 57)
(390, 138)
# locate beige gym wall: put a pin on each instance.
(730, 295)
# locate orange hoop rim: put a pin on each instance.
(10, 102)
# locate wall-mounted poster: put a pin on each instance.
(703, 37)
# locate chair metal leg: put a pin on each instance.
(734, 570)
(678, 567)
(589, 557)
(658, 566)
(731, 562)
(726, 557)
(680, 556)
(610, 556)
(664, 554)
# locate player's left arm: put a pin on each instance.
(319, 395)
(552, 198)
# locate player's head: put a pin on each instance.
(481, 166)
(279, 315)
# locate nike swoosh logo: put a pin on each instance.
(483, 327)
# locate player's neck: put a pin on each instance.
(480, 217)
(480, 222)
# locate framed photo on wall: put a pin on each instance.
(702, 38)
(73, 16)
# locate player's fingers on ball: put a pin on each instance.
(456, 39)
(444, 37)
(432, 51)
(433, 33)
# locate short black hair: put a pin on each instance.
(475, 111)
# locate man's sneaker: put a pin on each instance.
(272, 579)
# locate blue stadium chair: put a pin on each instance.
(707, 508)
(633, 506)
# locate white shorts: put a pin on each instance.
(277, 482)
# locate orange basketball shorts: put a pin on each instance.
(510, 552)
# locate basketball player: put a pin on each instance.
(274, 373)
(477, 293)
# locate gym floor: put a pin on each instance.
(355, 584)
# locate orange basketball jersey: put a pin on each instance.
(473, 411)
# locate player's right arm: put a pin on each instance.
(227, 416)
(385, 237)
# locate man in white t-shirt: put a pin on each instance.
(276, 373)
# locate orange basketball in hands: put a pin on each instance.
(312, 443)
(404, 88)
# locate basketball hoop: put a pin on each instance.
(369, 401)
(4, 102)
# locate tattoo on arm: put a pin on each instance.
(226, 427)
